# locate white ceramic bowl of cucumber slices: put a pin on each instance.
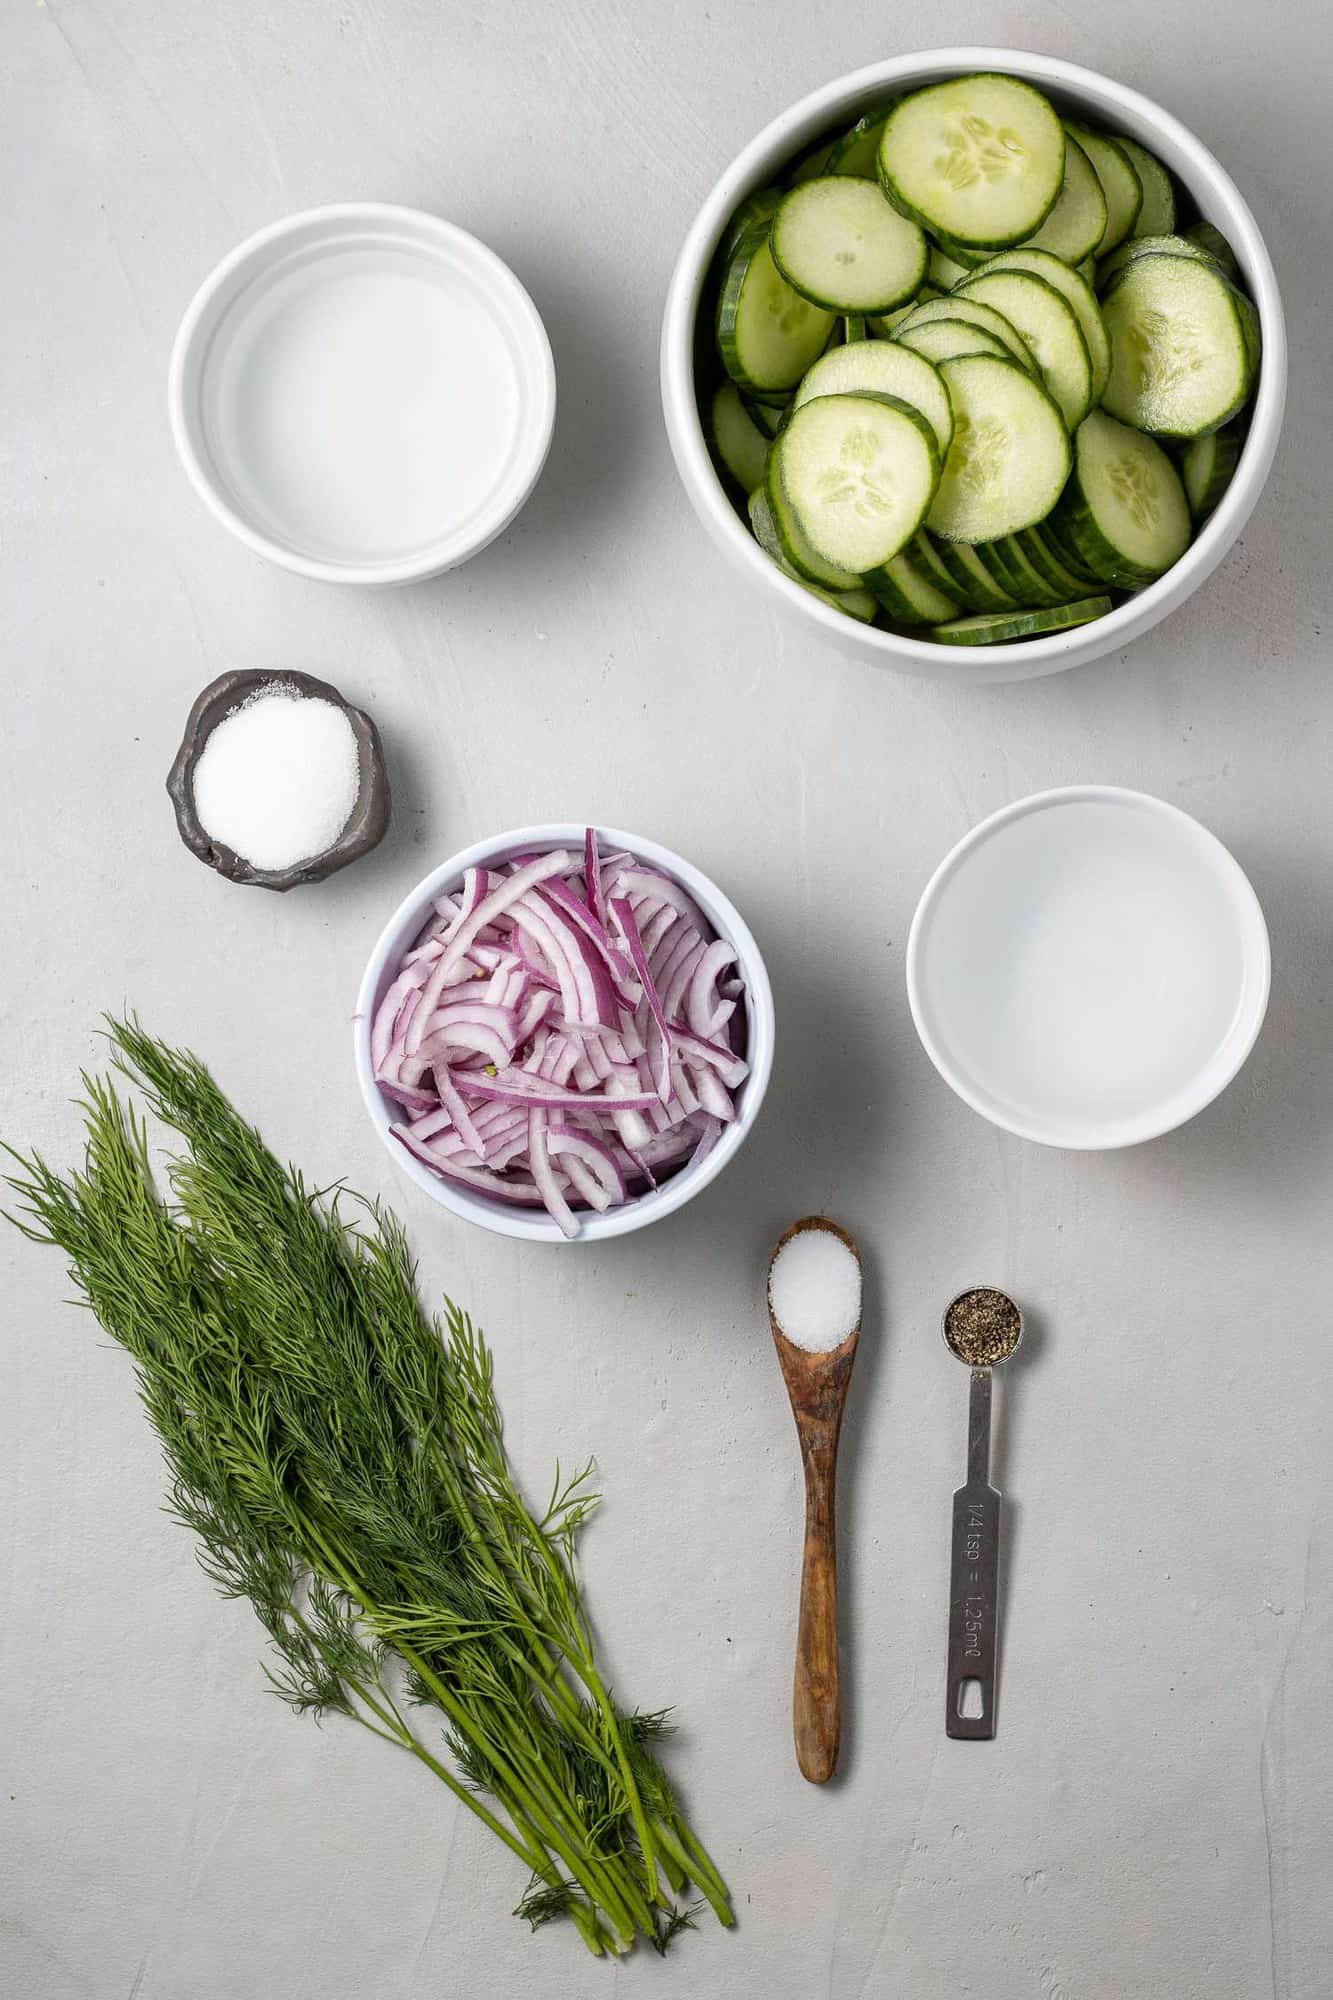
(914, 370)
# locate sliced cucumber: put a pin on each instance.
(1053, 532)
(1042, 555)
(1019, 576)
(756, 210)
(739, 446)
(769, 417)
(856, 154)
(892, 370)
(794, 547)
(854, 328)
(1157, 212)
(975, 583)
(1151, 246)
(1051, 330)
(811, 164)
(907, 593)
(966, 254)
(945, 339)
(1215, 243)
(1120, 185)
(844, 247)
(1207, 467)
(979, 158)
(855, 474)
(960, 305)
(1006, 627)
(1184, 346)
(945, 271)
(1124, 509)
(928, 555)
(857, 602)
(1010, 454)
(1077, 294)
(1077, 223)
(767, 334)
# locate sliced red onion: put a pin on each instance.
(661, 1060)
(701, 1002)
(562, 1033)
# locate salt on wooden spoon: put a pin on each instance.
(814, 1309)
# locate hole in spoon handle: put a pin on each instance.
(974, 1605)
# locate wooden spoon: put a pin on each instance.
(817, 1387)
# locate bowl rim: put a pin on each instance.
(506, 291)
(1222, 1068)
(1032, 656)
(535, 1225)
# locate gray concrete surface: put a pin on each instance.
(1154, 1818)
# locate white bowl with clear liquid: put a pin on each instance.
(362, 394)
(1088, 968)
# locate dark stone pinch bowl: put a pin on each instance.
(370, 815)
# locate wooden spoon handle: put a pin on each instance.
(816, 1705)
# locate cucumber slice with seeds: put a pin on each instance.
(767, 333)
(842, 246)
(960, 305)
(1006, 627)
(1124, 509)
(1121, 187)
(907, 593)
(1077, 294)
(979, 158)
(856, 473)
(1051, 330)
(892, 370)
(1207, 467)
(739, 446)
(1010, 454)
(1184, 346)
(794, 546)
(1077, 223)
(1157, 212)
(945, 339)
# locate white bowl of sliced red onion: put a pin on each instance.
(564, 1033)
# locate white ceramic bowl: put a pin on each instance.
(1097, 100)
(363, 394)
(534, 1224)
(1088, 968)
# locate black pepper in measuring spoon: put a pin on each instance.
(983, 1327)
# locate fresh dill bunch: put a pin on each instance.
(339, 1458)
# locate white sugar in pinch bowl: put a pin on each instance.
(534, 1225)
(277, 779)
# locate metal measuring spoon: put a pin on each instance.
(981, 1327)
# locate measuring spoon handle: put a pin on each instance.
(816, 1694)
(974, 1604)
